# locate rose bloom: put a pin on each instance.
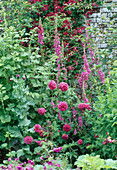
(41, 111)
(37, 127)
(28, 139)
(52, 85)
(65, 136)
(83, 106)
(66, 127)
(80, 142)
(63, 86)
(62, 106)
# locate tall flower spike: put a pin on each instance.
(40, 33)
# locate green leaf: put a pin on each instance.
(20, 153)
(4, 145)
(5, 118)
(8, 87)
(24, 122)
(38, 167)
(15, 131)
(111, 163)
(37, 149)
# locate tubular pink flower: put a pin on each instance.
(101, 75)
(40, 34)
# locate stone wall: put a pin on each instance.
(102, 19)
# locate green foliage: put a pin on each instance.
(95, 162)
(105, 119)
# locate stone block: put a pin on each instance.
(103, 45)
(99, 20)
(93, 19)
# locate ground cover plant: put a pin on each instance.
(55, 101)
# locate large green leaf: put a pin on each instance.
(5, 118)
(15, 131)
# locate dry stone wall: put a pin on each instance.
(103, 19)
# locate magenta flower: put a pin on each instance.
(52, 85)
(41, 111)
(66, 127)
(65, 136)
(62, 106)
(30, 162)
(101, 75)
(37, 127)
(9, 159)
(63, 86)
(80, 142)
(19, 168)
(104, 142)
(39, 142)
(83, 106)
(40, 34)
(57, 149)
(28, 140)
(10, 167)
(2, 167)
(58, 165)
(50, 163)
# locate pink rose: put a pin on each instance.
(41, 111)
(83, 106)
(66, 127)
(37, 127)
(52, 85)
(80, 142)
(28, 139)
(62, 106)
(63, 86)
(65, 136)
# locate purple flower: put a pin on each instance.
(30, 162)
(19, 168)
(50, 163)
(58, 165)
(57, 149)
(9, 159)
(40, 34)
